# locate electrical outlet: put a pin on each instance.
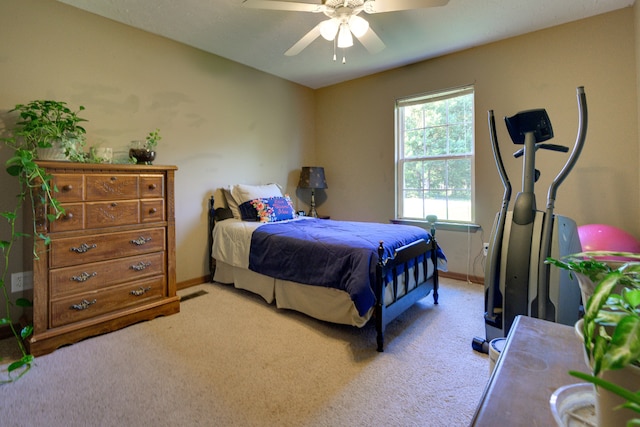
(485, 248)
(21, 281)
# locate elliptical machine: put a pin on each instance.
(517, 280)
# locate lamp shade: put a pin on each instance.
(312, 177)
(359, 26)
(329, 29)
(345, 39)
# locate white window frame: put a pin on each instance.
(400, 159)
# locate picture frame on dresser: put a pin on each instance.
(110, 260)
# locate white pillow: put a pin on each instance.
(244, 193)
(231, 203)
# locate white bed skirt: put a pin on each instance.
(324, 303)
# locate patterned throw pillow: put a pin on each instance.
(267, 209)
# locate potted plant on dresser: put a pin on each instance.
(145, 151)
(610, 330)
(50, 128)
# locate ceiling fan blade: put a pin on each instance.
(283, 5)
(371, 41)
(304, 41)
(379, 6)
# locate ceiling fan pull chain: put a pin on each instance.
(334, 50)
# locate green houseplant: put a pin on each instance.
(144, 151)
(611, 325)
(35, 188)
(50, 127)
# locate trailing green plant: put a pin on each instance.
(611, 323)
(35, 187)
(43, 123)
(152, 139)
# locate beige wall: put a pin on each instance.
(355, 127)
(221, 122)
(636, 17)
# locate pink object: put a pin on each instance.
(603, 237)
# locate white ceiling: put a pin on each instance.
(259, 38)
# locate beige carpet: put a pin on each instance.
(229, 359)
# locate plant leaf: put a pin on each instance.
(609, 318)
(23, 302)
(9, 215)
(601, 294)
(26, 331)
(632, 297)
(624, 347)
(600, 344)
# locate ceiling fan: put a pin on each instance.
(343, 22)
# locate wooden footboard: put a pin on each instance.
(418, 254)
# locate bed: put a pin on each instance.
(336, 271)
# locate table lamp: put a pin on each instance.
(312, 177)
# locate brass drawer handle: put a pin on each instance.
(153, 210)
(141, 240)
(84, 276)
(141, 291)
(68, 216)
(83, 305)
(140, 266)
(152, 186)
(84, 248)
(114, 204)
(67, 187)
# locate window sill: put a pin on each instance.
(444, 226)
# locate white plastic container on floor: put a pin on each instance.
(495, 348)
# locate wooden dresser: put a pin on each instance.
(535, 362)
(111, 259)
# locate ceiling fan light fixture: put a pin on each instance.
(329, 29)
(359, 26)
(345, 39)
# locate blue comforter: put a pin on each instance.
(339, 254)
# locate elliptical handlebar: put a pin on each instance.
(545, 244)
(544, 146)
(492, 277)
(577, 148)
(553, 147)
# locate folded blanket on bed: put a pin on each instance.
(339, 254)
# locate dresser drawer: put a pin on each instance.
(111, 214)
(73, 218)
(93, 276)
(101, 247)
(70, 187)
(92, 304)
(151, 210)
(151, 186)
(111, 187)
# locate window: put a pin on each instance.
(434, 160)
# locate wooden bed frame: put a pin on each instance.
(416, 253)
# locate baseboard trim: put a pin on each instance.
(463, 277)
(192, 282)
